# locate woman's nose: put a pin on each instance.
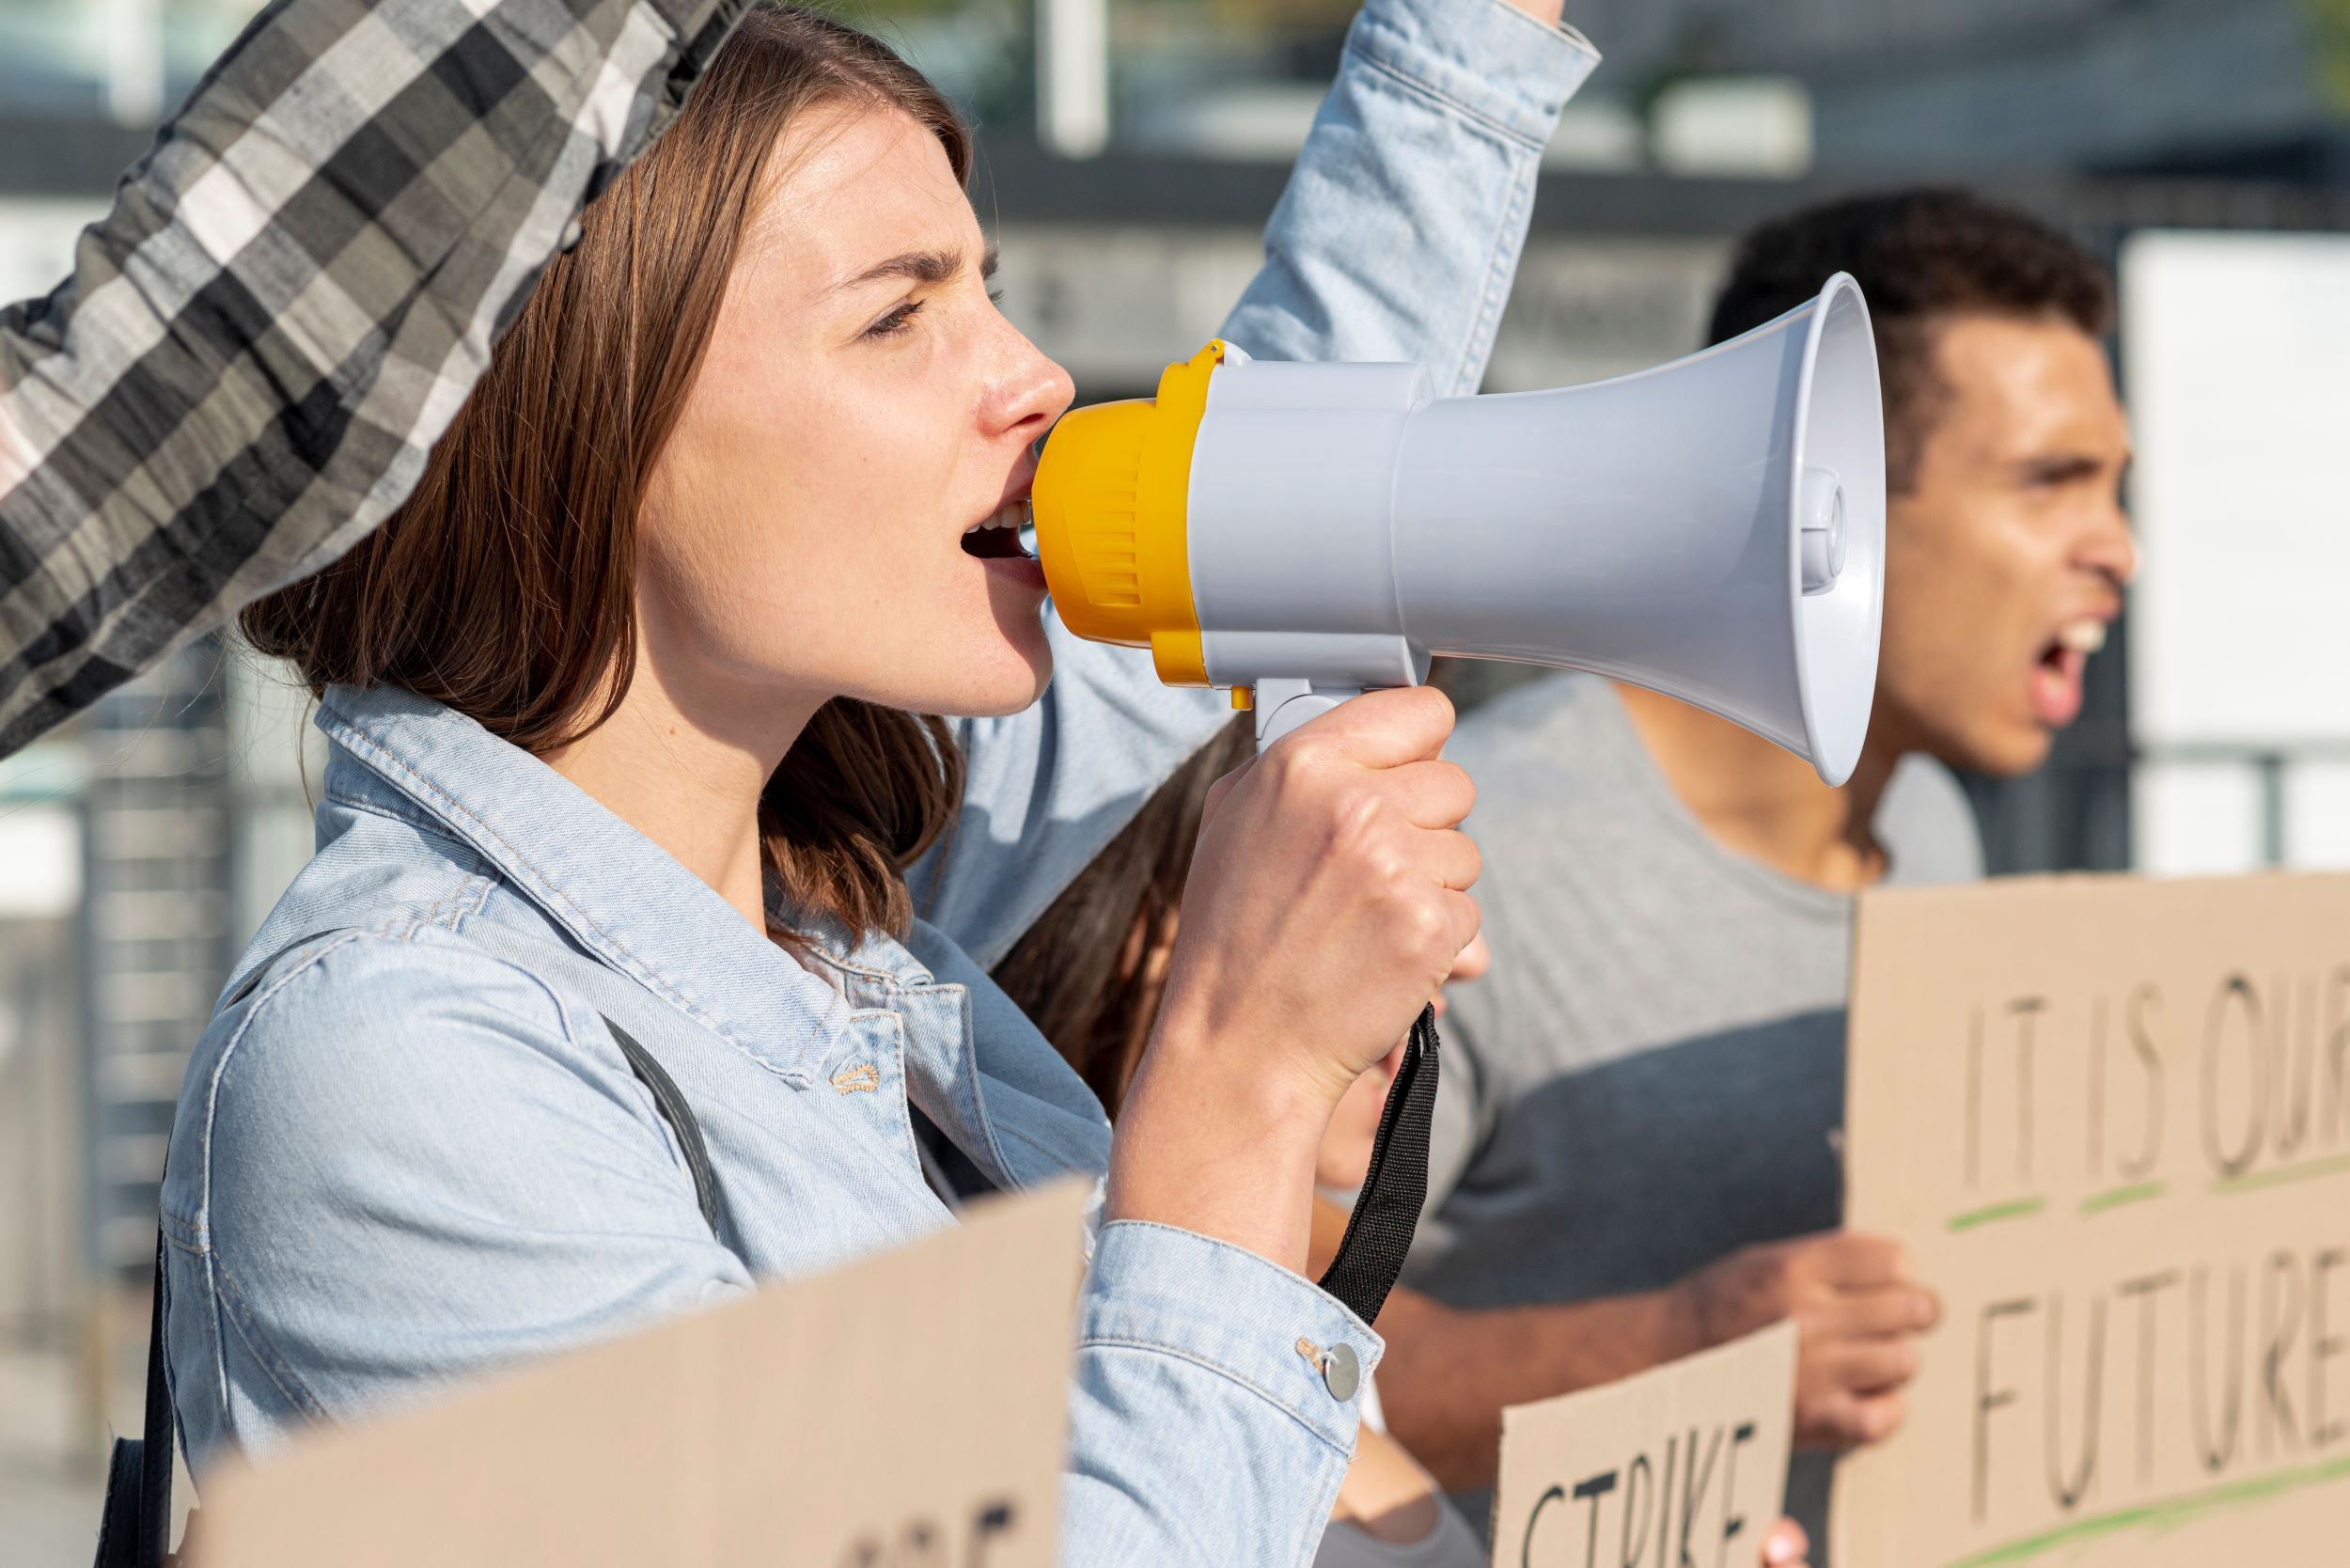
(1031, 391)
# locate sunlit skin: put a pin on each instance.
(862, 403)
(2011, 530)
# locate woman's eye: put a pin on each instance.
(896, 321)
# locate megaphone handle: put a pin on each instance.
(1284, 702)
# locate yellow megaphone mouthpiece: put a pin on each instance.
(1111, 501)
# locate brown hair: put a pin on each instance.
(504, 586)
(1922, 257)
(1081, 973)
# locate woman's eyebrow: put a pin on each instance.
(920, 266)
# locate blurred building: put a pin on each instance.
(2115, 118)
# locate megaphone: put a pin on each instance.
(1712, 529)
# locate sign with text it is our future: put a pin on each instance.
(2110, 1120)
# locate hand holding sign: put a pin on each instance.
(1856, 1309)
(2111, 1119)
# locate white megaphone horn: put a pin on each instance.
(1712, 529)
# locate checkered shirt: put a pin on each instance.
(295, 289)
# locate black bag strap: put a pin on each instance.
(134, 1526)
(1386, 1211)
(670, 1101)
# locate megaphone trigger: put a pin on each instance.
(1282, 703)
(1712, 529)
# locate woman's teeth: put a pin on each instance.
(1011, 514)
(2085, 635)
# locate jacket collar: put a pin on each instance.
(610, 888)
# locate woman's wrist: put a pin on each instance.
(1219, 1143)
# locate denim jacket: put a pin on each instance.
(409, 1149)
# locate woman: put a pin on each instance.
(1090, 972)
(623, 760)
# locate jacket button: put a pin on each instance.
(1341, 1372)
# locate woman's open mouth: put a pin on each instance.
(996, 536)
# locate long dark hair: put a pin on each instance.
(1081, 973)
(504, 586)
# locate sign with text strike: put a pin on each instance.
(1678, 1467)
(2110, 1120)
(905, 1411)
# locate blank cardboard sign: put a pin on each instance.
(2110, 1120)
(908, 1409)
(1685, 1464)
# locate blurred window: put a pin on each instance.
(126, 59)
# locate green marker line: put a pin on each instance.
(2306, 1170)
(2020, 1208)
(2166, 1514)
(2113, 1197)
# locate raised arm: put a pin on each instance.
(1397, 238)
(294, 291)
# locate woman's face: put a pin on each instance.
(861, 408)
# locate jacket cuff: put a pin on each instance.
(1222, 1307)
(1486, 60)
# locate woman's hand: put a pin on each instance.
(1786, 1546)
(1327, 902)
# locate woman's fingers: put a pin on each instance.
(1382, 729)
(1430, 794)
(1453, 858)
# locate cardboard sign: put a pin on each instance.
(906, 1410)
(2110, 1120)
(1685, 1464)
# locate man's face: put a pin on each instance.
(2005, 559)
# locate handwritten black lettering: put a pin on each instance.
(1974, 1100)
(2067, 1491)
(1594, 1488)
(2145, 1003)
(1734, 1523)
(2216, 1455)
(2294, 1038)
(2234, 999)
(2281, 1325)
(996, 1519)
(2025, 1010)
(1525, 1547)
(1988, 1399)
(2337, 1051)
(1637, 1474)
(2324, 1346)
(2147, 1289)
(1695, 1485)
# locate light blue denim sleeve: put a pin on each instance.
(1202, 1430)
(1397, 238)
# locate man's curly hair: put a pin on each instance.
(1922, 257)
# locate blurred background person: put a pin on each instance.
(1135, 149)
(1643, 1114)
